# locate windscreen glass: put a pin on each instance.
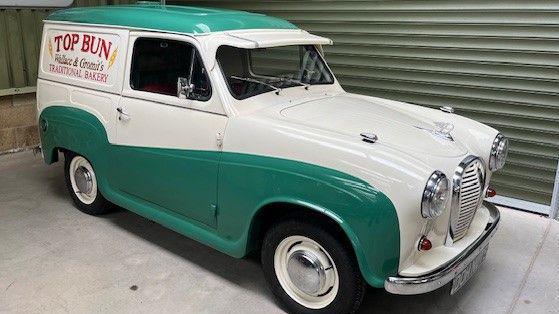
(250, 72)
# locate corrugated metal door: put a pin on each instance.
(494, 61)
(20, 36)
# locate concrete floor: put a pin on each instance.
(53, 258)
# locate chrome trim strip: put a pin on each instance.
(447, 272)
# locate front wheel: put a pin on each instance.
(310, 270)
(81, 182)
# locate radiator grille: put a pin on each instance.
(471, 188)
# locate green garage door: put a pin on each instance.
(494, 61)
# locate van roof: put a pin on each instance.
(169, 18)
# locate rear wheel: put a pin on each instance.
(310, 270)
(81, 182)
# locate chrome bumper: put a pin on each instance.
(445, 274)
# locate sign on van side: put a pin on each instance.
(84, 56)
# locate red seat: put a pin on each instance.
(160, 88)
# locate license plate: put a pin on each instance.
(461, 278)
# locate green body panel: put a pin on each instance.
(176, 19)
(249, 182)
(183, 182)
(243, 185)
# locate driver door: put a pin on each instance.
(167, 150)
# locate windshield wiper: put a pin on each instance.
(286, 79)
(248, 79)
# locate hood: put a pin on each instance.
(394, 127)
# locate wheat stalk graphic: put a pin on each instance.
(113, 58)
(50, 48)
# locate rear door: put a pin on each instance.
(166, 149)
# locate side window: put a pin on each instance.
(157, 65)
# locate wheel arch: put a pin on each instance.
(278, 209)
(50, 154)
(72, 129)
(79, 131)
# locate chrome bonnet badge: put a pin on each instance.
(441, 130)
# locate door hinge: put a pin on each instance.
(219, 139)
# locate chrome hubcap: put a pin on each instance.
(306, 272)
(82, 178)
(84, 181)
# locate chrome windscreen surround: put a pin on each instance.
(468, 186)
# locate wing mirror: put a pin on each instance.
(184, 89)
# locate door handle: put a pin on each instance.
(122, 115)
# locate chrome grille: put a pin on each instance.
(469, 183)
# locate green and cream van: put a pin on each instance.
(230, 128)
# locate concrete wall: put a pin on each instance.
(18, 122)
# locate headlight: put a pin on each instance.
(435, 195)
(499, 152)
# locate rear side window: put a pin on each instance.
(157, 64)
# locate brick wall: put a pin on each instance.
(18, 122)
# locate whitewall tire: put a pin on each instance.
(306, 272)
(311, 270)
(82, 185)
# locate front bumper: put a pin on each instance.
(445, 274)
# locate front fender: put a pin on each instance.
(248, 182)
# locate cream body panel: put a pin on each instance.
(100, 104)
(350, 115)
(475, 136)
(161, 125)
(163, 121)
(438, 256)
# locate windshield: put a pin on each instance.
(250, 72)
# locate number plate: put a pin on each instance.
(463, 277)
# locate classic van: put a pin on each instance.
(229, 127)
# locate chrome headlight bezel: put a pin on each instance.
(499, 151)
(435, 195)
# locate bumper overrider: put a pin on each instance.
(446, 273)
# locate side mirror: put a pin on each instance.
(184, 89)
